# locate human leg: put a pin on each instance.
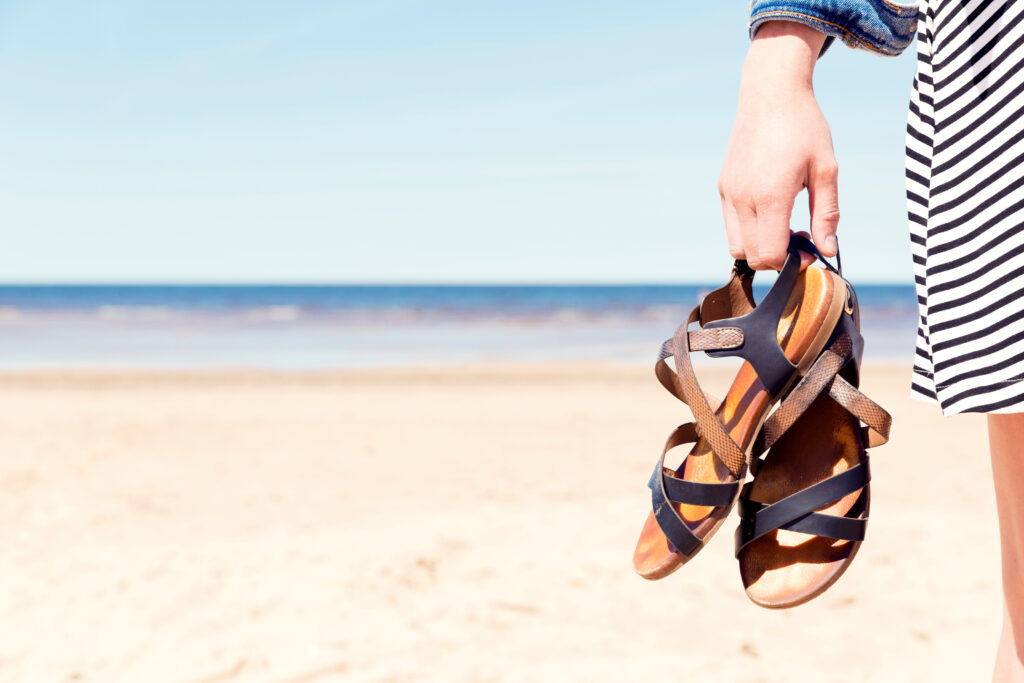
(1006, 442)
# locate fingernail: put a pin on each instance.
(831, 243)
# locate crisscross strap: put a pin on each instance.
(817, 379)
(731, 325)
(824, 375)
(709, 426)
(876, 419)
(666, 488)
(796, 512)
(670, 380)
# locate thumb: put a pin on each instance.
(823, 193)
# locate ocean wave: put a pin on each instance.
(134, 313)
(276, 314)
(226, 313)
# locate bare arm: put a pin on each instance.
(780, 144)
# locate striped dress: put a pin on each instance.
(965, 198)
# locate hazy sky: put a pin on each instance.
(408, 141)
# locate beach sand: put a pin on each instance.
(472, 524)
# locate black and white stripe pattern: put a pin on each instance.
(965, 199)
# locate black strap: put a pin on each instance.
(666, 489)
(695, 492)
(817, 524)
(760, 345)
(672, 525)
(757, 328)
(804, 244)
(760, 327)
(796, 512)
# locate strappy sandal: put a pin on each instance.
(779, 339)
(804, 515)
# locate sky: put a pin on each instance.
(428, 141)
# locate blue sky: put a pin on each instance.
(403, 141)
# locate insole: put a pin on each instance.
(814, 301)
(785, 568)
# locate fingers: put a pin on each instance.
(733, 231)
(747, 217)
(758, 232)
(773, 214)
(740, 227)
(823, 195)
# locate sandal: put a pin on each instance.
(804, 515)
(779, 339)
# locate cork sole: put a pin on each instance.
(811, 314)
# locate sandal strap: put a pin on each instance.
(760, 329)
(804, 244)
(877, 419)
(732, 325)
(817, 524)
(758, 519)
(817, 379)
(666, 488)
(767, 358)
(709, 426)
(698, 493)
(824, 375)
(708, 339)
(670, 380)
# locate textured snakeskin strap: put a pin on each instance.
(708, 424)
(717, 338)
(817, 379)
(824, 375)
(877, 419)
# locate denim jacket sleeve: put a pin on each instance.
(879, 26)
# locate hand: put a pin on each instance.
(780, 144)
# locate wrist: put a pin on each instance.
(782, 57)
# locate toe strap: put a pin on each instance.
(797, 511)
(694, 492)
(666, 489)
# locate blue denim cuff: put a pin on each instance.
(879, 26)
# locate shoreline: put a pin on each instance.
(497, 366)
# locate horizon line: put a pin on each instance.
(393, 283)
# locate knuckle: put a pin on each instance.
(773, 258)
(828, 171)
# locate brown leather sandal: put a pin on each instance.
(779, 339)
(804, 515)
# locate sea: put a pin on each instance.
(325, 327)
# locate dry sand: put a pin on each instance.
(460, 525)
